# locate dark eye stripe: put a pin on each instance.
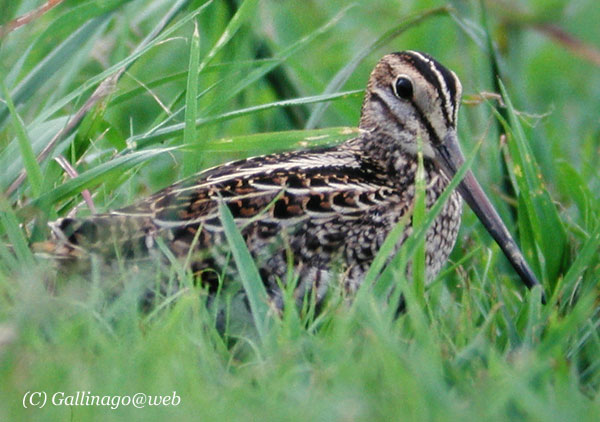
(433, 137)
(420, 115)
(445, 85)
(387, 110)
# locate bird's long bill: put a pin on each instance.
(450, 159)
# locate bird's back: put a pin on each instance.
(325, 206)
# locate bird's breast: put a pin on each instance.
(442, 234)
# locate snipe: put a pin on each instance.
(331, 207)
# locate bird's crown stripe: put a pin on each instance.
(440, 78)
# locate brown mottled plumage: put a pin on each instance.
(331, 207)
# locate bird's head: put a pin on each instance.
(411, 97)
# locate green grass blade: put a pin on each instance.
(545, 222)
(10, 158)
(534, 318)
(419, 212)
(241, 82)
(93, 177)
(176, 129)
(17, 239)
(240, 66)
(93, 81)
(11, 75)
(277, 141)
(34, 174)
(583, 262)
(282, 56)
(54, 61)
(249, 276)
(410, 245)
(245, 12)
(383, 254)
(574, 185)
(73, 18)
(191, 104)
(506, 318)
(176, 7)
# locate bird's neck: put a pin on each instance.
(388, 153)
(398, 168)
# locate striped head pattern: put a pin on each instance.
(411, 95)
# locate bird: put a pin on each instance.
(326, 210)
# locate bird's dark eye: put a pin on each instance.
(403, 88)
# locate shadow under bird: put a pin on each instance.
(331, 207)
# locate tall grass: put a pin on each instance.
(138, 94)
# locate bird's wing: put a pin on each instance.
(271, 192)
